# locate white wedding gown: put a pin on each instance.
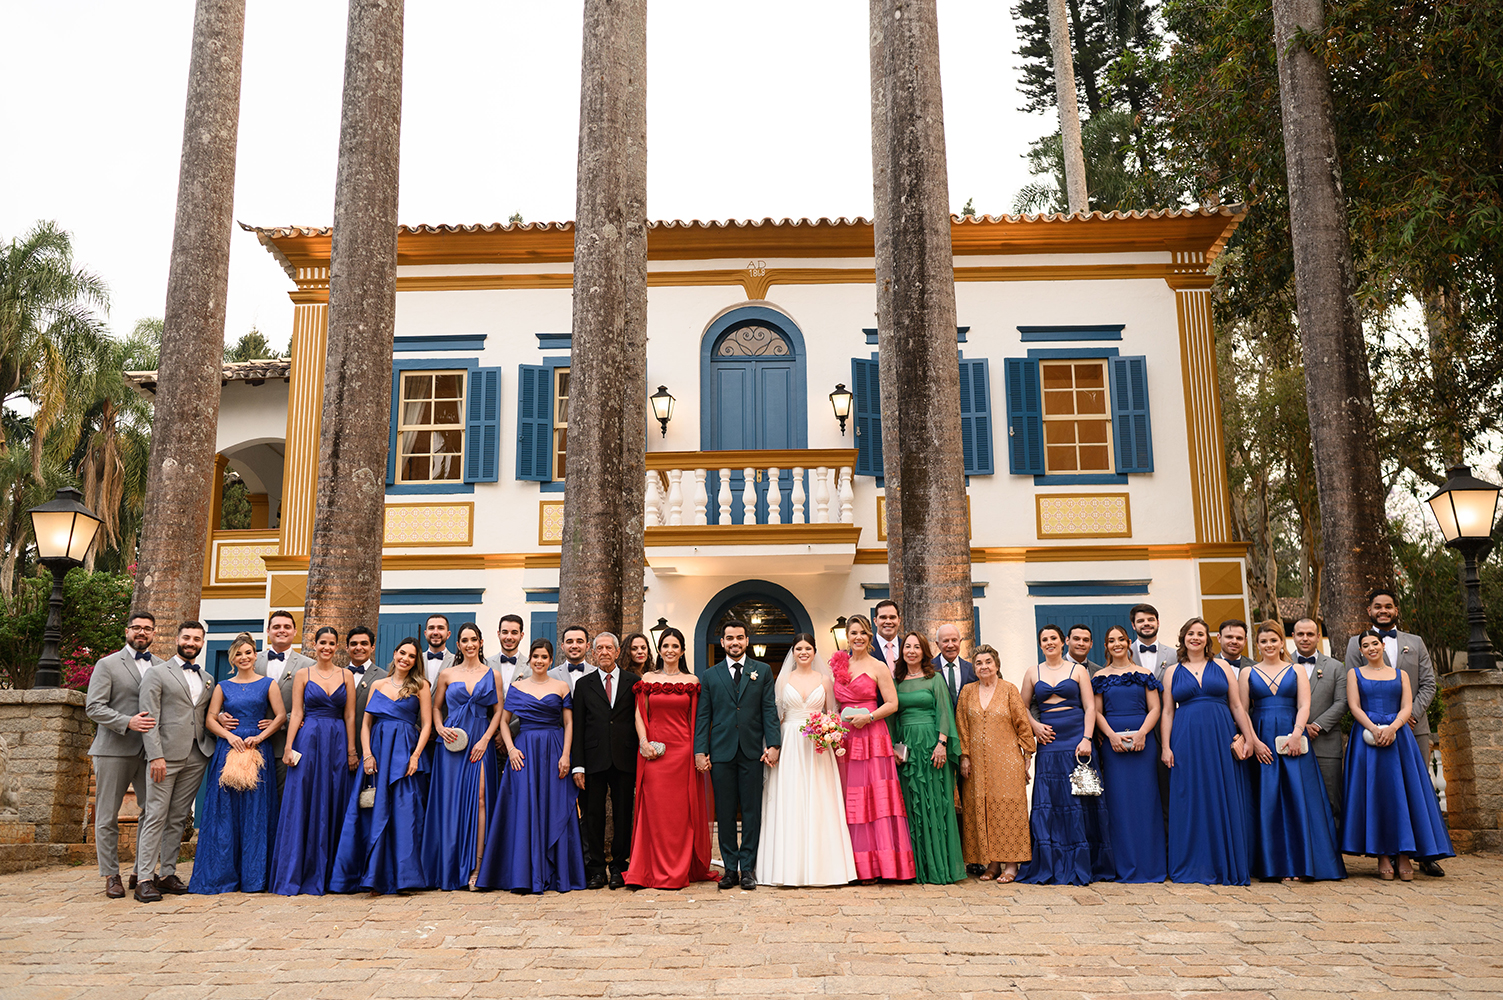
(805, 840)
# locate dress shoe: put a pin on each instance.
(146, 892)
(748, 881)
(730, 880)
(132, 883)
(1432, 869)
(617, 882)
(114, 888)
(172, 885)
(595, 882)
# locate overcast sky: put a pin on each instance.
(754, 109)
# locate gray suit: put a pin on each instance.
(1162, 658)
(119, 755)
(510, 674)
(1327, 706)
(295, 662)
(1414, 660)
(562, 673)
(431, 668)
(181, 740)
(363, 684)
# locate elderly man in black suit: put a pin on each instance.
(604, 760)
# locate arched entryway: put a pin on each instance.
(774, 614)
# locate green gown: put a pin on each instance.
(928, 792)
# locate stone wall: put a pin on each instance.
(1471, 745)
(45, 766)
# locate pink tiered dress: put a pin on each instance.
(873, 798)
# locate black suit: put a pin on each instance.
(605, 747)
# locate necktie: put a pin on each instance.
(1387, 633)
(143, 654)
(435, 656)
(503, 658)
(576, 668)
(1304, 659)
(357, 669)
(272, 654)
(1149, 647)
(736, 672)
(190, 665)
(950, 682)
(607, 687)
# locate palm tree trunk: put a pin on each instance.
(600, 576)
(1338, 387)
(344, 562)
(914, 255)
(1069, 107)
(186, 417)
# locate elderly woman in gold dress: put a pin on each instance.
(999, 743)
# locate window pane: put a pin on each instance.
(448, 386)
(1059, 402)
(415, 469)
(1059, 432)
(1090, 431)
(417, 386)
(448, 441)
(445, 466)
(446, 412)
(1095, 458)
(1090, 401)
(1090, 376)
(1061, 458)
(560, 451)
(414, 443)
(1056, 376)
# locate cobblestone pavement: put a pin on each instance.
(60, 937)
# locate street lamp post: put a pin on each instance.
(64, 530)
(1465, 508)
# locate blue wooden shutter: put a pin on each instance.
(1025, 418)
(535, 423)
(545, 626)
(866, 387)
(1130, 423)
(976, 417)
(482, 428)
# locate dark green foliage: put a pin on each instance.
(252, 347)
(95, 606)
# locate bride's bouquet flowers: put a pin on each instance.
(826, 733)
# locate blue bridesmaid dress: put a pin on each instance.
(453, 817)
(237, 830)
(1208, 810)
(380, 848)
(533, 840)
(1294, 835)
(1390, 806)
(315, 796)
(1131, 779)
(1071, 836)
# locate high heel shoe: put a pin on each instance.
(1386, 874)
(1406, 873)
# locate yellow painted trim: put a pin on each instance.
(752, 534)
(1108, 553)
(216, 514)
(1038, 511)
(1209, 492)
(808, 458)
(305, 394)
(233, 592)
(469, 526)
(543, 538)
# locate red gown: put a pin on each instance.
(670, 841)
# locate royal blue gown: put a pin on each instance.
(453, 818)
(315, 797)
(1208, 809)
(1294, 835)
(237, 829)
(1390, 806)
(1071, 834)
(380, 848)
(1131, 779)
(533, 840)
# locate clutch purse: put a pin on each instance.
(1084, 780)
(1129, 740)
(851, 711)
(242, 770)
(459, 743)
(900, 752)
(368, 797)
(1281, 744)
(658, 749)
(293, 757)
(1369, 738)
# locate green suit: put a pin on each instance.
(734, 725)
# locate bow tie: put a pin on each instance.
(1387, 633)
(272, 654)
(503, 658)
(576, 668)
(436, 656)
(357, 670)
(1148, 647)
(190, 665)
(143, 654)
(1304, 659)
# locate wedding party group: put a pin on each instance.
(892, 760)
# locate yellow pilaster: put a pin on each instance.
(1197, 339)
(216, 515)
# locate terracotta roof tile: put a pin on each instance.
(233, 371)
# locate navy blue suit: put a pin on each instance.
(734, 724)
(967, 675)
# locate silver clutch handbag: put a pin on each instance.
(368, 797)
(1084, 780)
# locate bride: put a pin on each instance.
(805, 839)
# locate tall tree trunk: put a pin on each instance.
(1338, 386)
(344, 563)
(600, 577)
(887, 371)
(185, 422)
(1069, 107)
(914, 254)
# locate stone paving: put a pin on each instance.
(61, 938)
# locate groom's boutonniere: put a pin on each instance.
(754, 674)
(1406, 649)
(1319, 672)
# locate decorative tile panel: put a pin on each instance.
(882, 518)
(551, 522)
(413, 525)
(1083, 515)
(240, 562)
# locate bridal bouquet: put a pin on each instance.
(826, 733)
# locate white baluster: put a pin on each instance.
(724, 496)
(798, 496)
(749, 496)
(651, 516)
(847, 497)
(675, 496)
(821, 496)
(701, 497)
(774, 498)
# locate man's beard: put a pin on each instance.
(184, 655)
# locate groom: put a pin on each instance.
(737, 720)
